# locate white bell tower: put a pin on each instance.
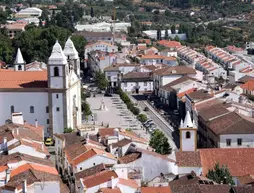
(58, 83)
(188, 134)
(19, 64)
(72, 56)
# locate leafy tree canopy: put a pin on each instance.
(160, 143)
(220, 175)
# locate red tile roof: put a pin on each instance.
(238, 160)
(169, 44)
(249, 85)
(188, 159)
(110, 190)
(99, 178)
(180, 95)
(128, 182)
(23, 79)
(106, 132)
(41, 168)
(165, 189)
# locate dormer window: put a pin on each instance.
(19, 67)
(56, 71)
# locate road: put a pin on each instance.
(162, 124)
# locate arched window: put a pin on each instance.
(188, 135)
(12, 109)
(31, 109)
(19, 67)
(56, 71)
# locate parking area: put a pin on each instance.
(115, 114)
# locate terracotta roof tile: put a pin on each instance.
(106, 132)
(213, 111)
(169, 44)
(25, 167)
(74, 151)
(199, 95)
(174, 70)
(180, 95)
(129, 158)
(238, 160)
(90, 171)
(168, 86)
(165, 189)
(23, 79)
(133, 136)
(110, 190)
(188, 159)
(99, 178)
(247, 179)
(137, 76)
(121, 143)
(128, 182)
(70, 138)
(231, 123)
(249, 85)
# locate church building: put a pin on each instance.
(52, 97)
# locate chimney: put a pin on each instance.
(24, 121)
(17, 131)
(42, 147)
(24, 187)
(7, 176)
(36, 123)
(5, 144)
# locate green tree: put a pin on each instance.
(79, 43)
(173, 29)
(86, 108)
(220, 175)
(158, 34)
(6, 49)
(92, 12)
(142, 118)
(160, 143)
(166, 34)
(68, 130)
(101, 80)
(135, 110)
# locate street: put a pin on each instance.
(162, 124)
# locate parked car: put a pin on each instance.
(49, 141)
(146, 109)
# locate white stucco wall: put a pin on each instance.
(247, 140)
(158, 166)
(27, 150)
(22, 102)
(95, 160)
(188, 144)
(57, 116)
(126, 69)
(46, 187)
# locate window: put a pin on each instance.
(239, 142)
(47, 121)
(57, 108)
(56, 71)
(80, 168)
(57, 96)
(47, 109)
(19, 67)
(187, 135)
(228, 141)
(94, 164)
(125, 84)
(145, 83)
(31, 109)
(109, 77)
(12, 109)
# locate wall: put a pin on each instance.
(130, 86)
(125, 69)
(126, 189)
(168, 79)
(22, 102)
(47, 187)
(57, 116)
(95, 160)
(169, 54)
(27, 150)
(247, 140)
(188, 144)
(158, 166)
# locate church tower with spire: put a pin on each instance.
(188, 134)
(19, 64)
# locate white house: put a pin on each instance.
(144, 159)
(29, 12)
(137, 82)
(52, 97)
